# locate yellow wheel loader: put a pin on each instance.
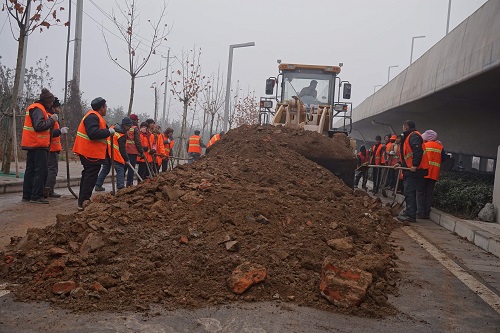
(305, 99)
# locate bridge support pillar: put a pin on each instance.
(483, 164)
(496, 189)
(466, 162)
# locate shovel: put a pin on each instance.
(113, 191)
(395, 206)
(133, 169)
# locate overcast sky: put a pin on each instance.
(367, 36)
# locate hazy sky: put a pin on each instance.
(367, 36)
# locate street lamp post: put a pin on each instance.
(165, 92)
(413, 41)
(389, 72)
(448, 20)
(375, 87)
(228, 84)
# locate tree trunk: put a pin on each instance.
(12, 131)
(182, 148)
(212, 124)
(132, 89)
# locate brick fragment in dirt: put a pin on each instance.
(176, 240)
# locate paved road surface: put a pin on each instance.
(432, 298)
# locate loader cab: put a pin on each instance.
(300, 80)
(306, 98)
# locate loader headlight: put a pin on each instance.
(266, 104)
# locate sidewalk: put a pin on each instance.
(483, 234)
(11, 184)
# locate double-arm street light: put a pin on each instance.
(389, 72)
(228, 84)
(413, 41)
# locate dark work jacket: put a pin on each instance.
(416, 144)
(122, 142)
(91, 124)
(55, 131)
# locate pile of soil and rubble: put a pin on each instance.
(176, 240)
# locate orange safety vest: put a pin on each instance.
(433, 150)
(117, 156)
(147, 140)
(194, 144)
(131, 148)
(55, 145)
(378, 154)
(160, 148)
(213, 140)
(408, 153)
(364, 158)
(90, 149)
(32, 138)
(171, 144)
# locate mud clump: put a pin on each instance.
(253, 207)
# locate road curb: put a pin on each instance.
(474, 231)
(17, 185)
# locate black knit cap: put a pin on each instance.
(46, 96)
(127, 122)
(97, 103)
(56, 103)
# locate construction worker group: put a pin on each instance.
(101, 149)
(411, 157)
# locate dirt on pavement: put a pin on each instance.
(176, 240)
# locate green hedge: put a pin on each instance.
(463, 194)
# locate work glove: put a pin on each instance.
(111, 131)
(145, 148)
(152, 151)
(55, 117)
(64, 130)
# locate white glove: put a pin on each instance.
(55, 117)
(64, 130)
(111, 131)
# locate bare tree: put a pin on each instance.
(246, 110)
(187, 83)
(139, 49)
(213, 99)
(43, 17)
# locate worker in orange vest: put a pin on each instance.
(436, 155)
(133, 147)
(362, 158)
(91, 146)
(159, 147)
(413, 156)
(55, 149)
(36, 140)
(195, 144)
(120, 156)
(376, 159)
(214, 139)
(168, 142)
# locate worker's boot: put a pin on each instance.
(99, 188)
(53, 194)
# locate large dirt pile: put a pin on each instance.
(176, 240)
